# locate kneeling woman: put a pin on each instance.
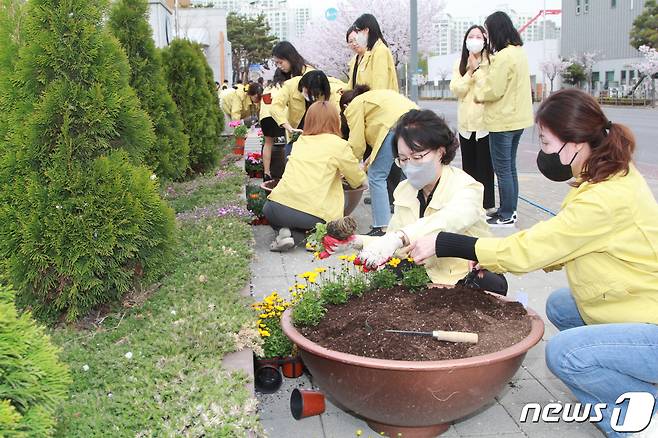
(434, 197)
(311, 190)
(606, 236)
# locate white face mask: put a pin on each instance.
(474, 45)
(361, 39)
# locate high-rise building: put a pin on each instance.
(285, 22)
(442, 43)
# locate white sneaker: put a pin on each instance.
(283, 241)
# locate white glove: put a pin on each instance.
(380, 250)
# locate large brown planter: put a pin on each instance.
(415, 399)
(352, 196)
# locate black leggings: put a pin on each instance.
(476, 161)
(282, 216)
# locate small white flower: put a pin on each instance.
(153, 177)
(59, 207)
(129, 355)
(173, 312)
(85, 367)
(109, 394)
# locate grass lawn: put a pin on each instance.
(150, 366)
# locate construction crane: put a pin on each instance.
(539, 14)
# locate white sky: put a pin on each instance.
(457, 8)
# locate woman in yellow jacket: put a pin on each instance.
(473, 137)
(372, 64)
(506, 94)
(606, 236)
(368, 117)
(237, 105)
(298, 94)
(434, 197)
(311, 190)
(269, 127)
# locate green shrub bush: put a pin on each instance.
(81, 221)
(188, 76)
(32, 379)
(169, 155)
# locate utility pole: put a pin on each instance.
(412, 75)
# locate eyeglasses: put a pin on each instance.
(401, 162)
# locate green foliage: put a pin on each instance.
(645, 26)
(80, 223)
(33, 381)
(277, 344)
(168, 156)
(240, 131)
(383, 279)
(334, 293)
(256, 198)
(190, 83)
(575, 74)
(357, 286)
(309, 311)
(415, 278)
(251, 41)
(174, 384)
(11, 36)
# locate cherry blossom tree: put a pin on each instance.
(554, 68)
(323, 42)
(648, 68)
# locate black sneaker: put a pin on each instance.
(499, 221)
(376, 232)
(266, 177)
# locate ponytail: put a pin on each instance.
(613, 154)
(575, 116)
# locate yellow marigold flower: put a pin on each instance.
(316, 254)
(266, 334)
(290, 289)
(351, 258)
(410, 259)
(342, 257)
(280, 308)
(300, 286)
(262, 325)
(262, 315)
(394, 262)
(321, 270)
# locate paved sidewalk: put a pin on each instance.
(533, 383)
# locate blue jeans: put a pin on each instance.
(601, 362)
(503, 147)
(377, 173)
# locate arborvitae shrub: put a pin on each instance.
(170, 153)
(80, 220)
(187, 70)
(32, 379)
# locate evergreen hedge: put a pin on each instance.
(191, 84)
(169, 155)
(81, 221)
(32, 379)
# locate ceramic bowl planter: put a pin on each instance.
(413, 398)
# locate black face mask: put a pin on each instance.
(551, 166)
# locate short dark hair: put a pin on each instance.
(347, 97)
(255, 89)
(501, 31)
(424, 130)
(368, 21)
(285, 50)
(317, 84)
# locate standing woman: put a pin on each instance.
(473, 137)
(506, 94)
(369, 118)
(372, 64)
(289, 61)
(271, 129)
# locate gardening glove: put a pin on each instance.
(380, 250)
(331, 245)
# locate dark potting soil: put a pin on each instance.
(358, 327)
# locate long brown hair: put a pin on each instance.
(575, 116)
(322, 118)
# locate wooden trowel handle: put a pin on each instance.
(442, 335)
